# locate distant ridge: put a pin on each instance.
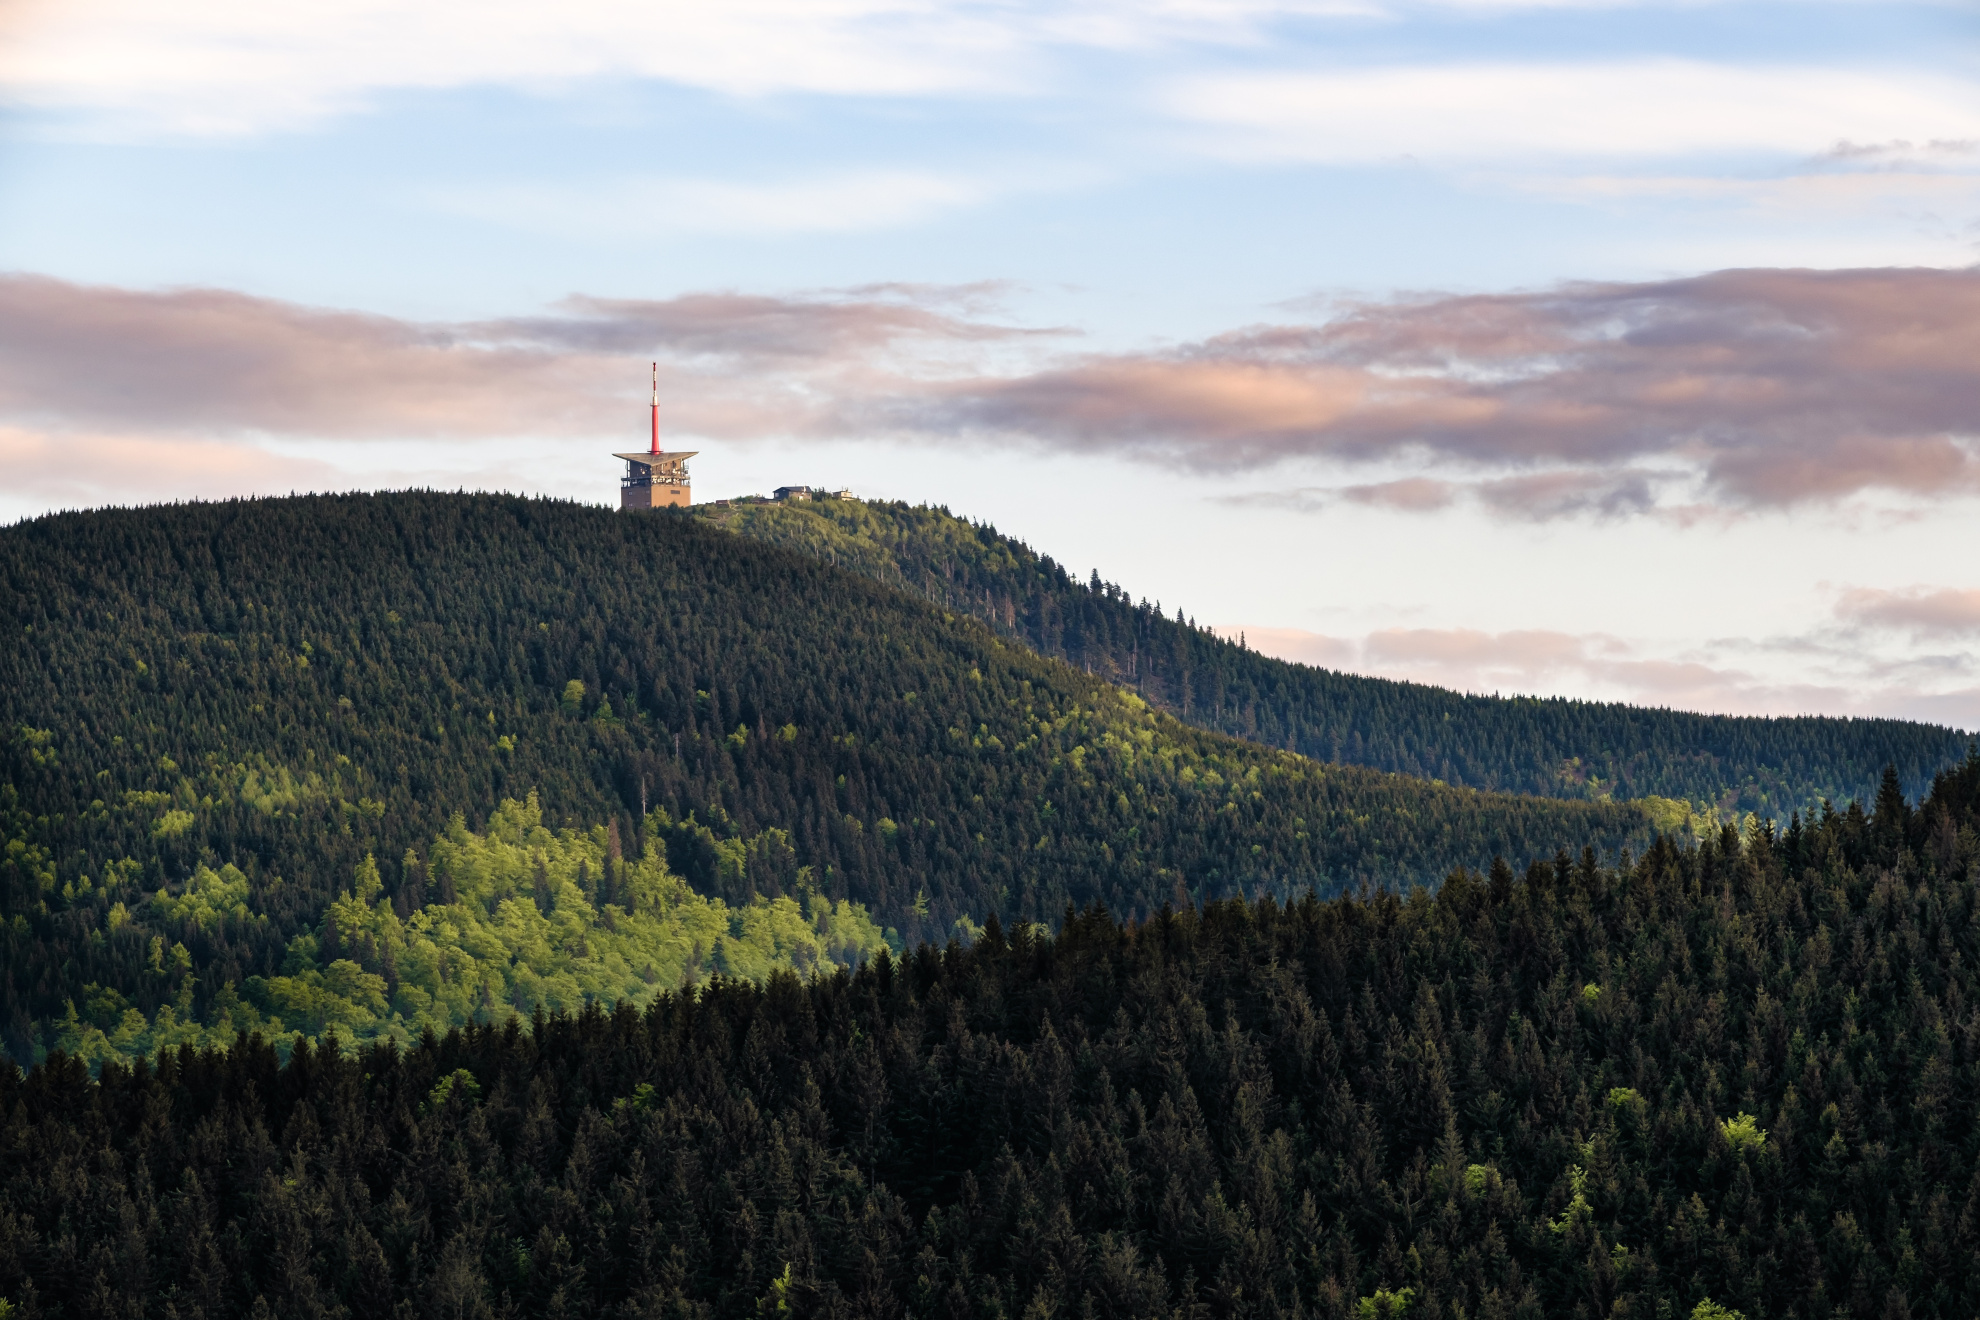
(1551, 746)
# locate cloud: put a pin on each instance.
(1526, 651)
(1640, 109)
(1773, 387)
(1901, 188)
(1540, 496)
(1741, 390)
(1923, 612)
(1407, 494)
(76, 357)
(1802, 674)
(80, 471)
(89, 468)
(1296, 645)
(1539, 661)
(127, 68)
(1902, 152)
(1530, 497)
(230, 67)
(762, 330)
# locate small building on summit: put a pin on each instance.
(656, 479)
(793, 492)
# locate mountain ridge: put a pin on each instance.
(292, 687)
(1721, 766)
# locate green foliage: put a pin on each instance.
(640, 1100)
(209, 898)
(538, 919)
(1383, 1304)
(458, 1083)
(1743, 1133)
(1577, 1211)
(1683, 819)
(1690, 771)
(777, 1301)
(1711, 1310)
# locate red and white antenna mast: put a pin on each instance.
(656, 409)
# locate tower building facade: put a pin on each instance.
(656, 479)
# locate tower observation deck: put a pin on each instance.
(656, 479)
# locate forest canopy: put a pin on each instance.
(477, 906)
(289, 687)
(1733, 1078)
(519, 918)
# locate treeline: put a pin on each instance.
(291, 686)
(1740, 1077)
(1551, 746)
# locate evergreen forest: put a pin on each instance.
(427, 905)
(1735, 1078)
(1712, 767)
(243, 739)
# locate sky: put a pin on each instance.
(1618, 350)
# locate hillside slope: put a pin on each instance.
(291, 687)
(1551, 746)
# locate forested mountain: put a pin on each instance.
(1740, 1078)
(1551, 746)
(256, 756)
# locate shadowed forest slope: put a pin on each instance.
(1740, 1078)
(1551, 746)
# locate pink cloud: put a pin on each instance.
(78, 471)
(1529, 496)
(1409, 494)
(1541, 495)
(1819, 676)
(1781, 386)
(215, 361)
(1920, 611)
(81, 356)
(1525, 651)
(1297, 645)
(1760, 388)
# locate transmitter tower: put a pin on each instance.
(655, 479)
